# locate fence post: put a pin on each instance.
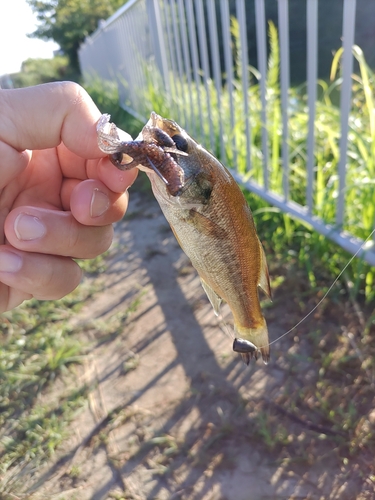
(312, 77)
(345, 102)
(156, 33)
(261, 34)
(283, 15)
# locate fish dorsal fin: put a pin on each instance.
(264, 281)
(213, 297)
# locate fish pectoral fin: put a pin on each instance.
(264, 281)
(205, 225)
(213, 297)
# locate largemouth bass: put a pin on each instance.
(208, 215)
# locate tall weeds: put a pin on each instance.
(279, 232)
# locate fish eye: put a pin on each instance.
(181, 142)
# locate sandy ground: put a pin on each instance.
(173, 413)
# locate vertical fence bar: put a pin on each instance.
(260, 22)
(176, 37)
(158, 39)
(171, 52)
(345, 101)
(185, 49)
(194, 58)
(202, 37)
(138, 10)
(285, 82)
(175, 58)
(312, 75)
(225, 22)
(241, 16)
(215, 58)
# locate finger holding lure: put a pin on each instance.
(208, 215)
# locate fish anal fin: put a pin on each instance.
(264, 281)
(213, 297)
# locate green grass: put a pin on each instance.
(37, 346)
(39, 390)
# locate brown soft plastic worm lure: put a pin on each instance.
(156, 151)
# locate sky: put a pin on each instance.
(16, 21)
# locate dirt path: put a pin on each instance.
(173, 413)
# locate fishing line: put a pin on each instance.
(325, 295)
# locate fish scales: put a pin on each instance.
(220, 239)
(214, 226)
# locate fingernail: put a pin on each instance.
(28, 227)
(99, 203)
(10, 262)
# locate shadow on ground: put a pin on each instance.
(173, 412)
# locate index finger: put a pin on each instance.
(41, 117)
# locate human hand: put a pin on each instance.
(58, 194)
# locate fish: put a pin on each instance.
(209, 217)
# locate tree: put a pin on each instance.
(68, 22)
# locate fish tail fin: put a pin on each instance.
(258, 338)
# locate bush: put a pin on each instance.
(36, 71)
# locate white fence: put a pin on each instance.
(190, 46)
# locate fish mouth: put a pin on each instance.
(156, 120)
(168, 126)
